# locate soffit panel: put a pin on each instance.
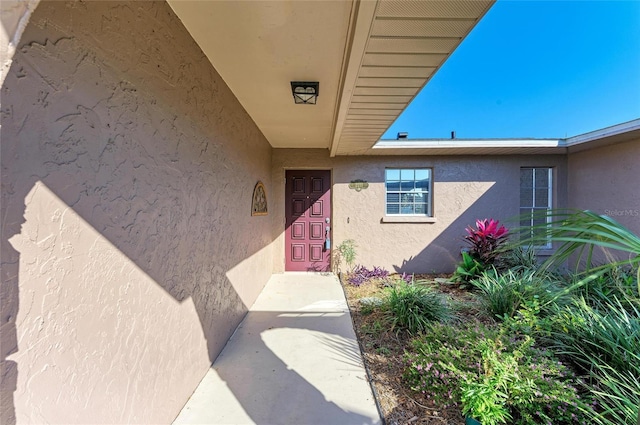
(386, 91)
(355, 120)
(408, 27)
(406, 59)
(396, 72)
(258, 48)
(395, 106)
(389, 82)
(379, 53)
(391, 99)
(371, 112)
(470, 9)
(408, 42)
(413, 45)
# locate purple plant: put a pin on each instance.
(361, 274)
(485, 240)
(408, 278)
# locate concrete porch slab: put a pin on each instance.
(294, 359)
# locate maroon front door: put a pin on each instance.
(308, 214)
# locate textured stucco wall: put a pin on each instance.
(14, 16)
(128, 251)
(465, 188)
(606, 180)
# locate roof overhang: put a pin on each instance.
(620, 133)
(370, 57)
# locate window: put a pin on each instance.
(408, 191)
(535, 199)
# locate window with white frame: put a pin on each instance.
(536, 199)
(408, 191)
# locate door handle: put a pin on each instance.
(327, 239)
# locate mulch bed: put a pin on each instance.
(383, 352)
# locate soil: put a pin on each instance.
(383, 352)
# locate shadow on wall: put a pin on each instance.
(134, 144)
(466, 188)
(446, 247)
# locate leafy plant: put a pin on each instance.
(361, 274)
(579, 233)
(503, 294)
(618, 396)
(468, 269)
(603, 339)
(600, 331)
(529, 320)
(346, 251)
(495, 376)
(486, 239)
(616, 282)
(370, 304)
(413, 307)
(485, 397)
(518, 259)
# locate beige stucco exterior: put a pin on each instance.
(606, 180)
(465, 188)
(129, 254)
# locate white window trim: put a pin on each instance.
(548, 246)
(428, 217)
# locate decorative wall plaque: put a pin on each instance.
(358, 185)
(259, 201)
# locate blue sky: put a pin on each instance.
(535, 69)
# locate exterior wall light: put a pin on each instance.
(305, 92)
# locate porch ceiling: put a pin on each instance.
(370, 57)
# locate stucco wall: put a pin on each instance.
(606, 180)
(465, 188)
(14, 16)
(128, 251)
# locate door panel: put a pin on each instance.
(307, 209)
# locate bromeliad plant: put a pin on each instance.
(486, 239)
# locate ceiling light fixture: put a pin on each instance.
(305, 92)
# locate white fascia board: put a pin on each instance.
(581, 139)
(602, 133)
(468, 143)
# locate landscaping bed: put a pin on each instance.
(383, 351)
(505, 339)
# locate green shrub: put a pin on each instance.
(468, 269)
(578, 233)
(603, 339)
(617, 394)
(616, 282)
(518, 259)
(600, 331)
(609, 333)
(413, 307)
(345, 251)
(503, 294)
(494, 376)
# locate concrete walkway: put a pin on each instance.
(293, 360)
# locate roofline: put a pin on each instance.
(613, 130)
(468, 143)
(561, 145)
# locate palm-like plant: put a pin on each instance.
(593, 330)
(579, 233)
